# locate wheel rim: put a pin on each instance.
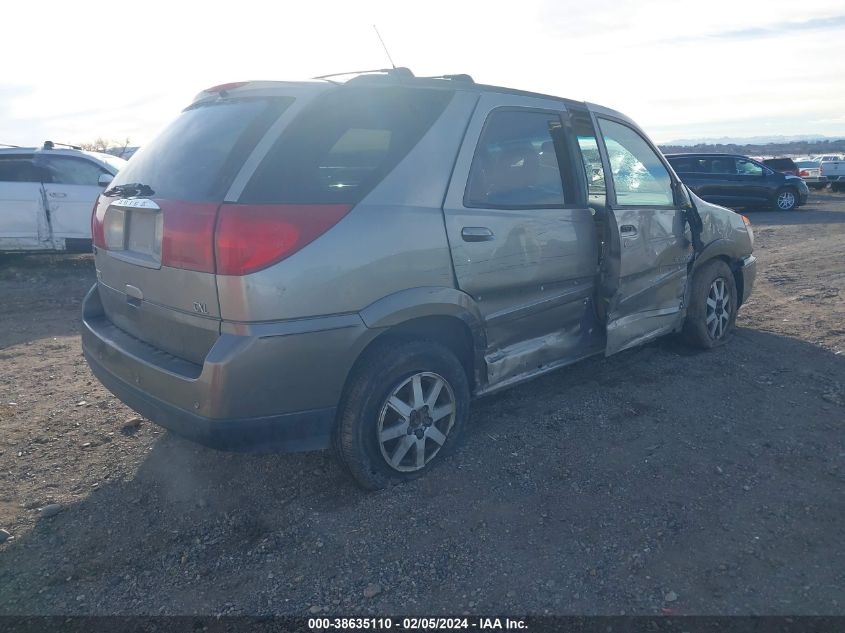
(786, 200)
(718, 308)
(415, 421)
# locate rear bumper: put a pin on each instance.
(270, 386)
(748, 270)
(300, 431)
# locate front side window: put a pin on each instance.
(748, 168)
(515, 163)
(639, 176)
(67, 170)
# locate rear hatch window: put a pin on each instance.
(198, 155)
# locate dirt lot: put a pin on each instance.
(655, 480)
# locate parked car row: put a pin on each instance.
(739, 181)
(46, 196)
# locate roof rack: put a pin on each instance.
(52, 145)
(399, 73)
(8, 145)
(461, 77)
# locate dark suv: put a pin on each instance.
(738, 181)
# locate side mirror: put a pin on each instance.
(105, 180)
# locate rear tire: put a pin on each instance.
(405, 407)
(786, 199)
(711, 314)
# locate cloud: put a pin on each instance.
(775, 30)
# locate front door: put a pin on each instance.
(522, 239)
(649, 245)
(71, 188)
(23, 218)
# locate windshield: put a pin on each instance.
(198, 155)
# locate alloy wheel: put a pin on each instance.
(415, 421)
(718, 308)
(786, 200)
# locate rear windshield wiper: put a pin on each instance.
(130, 189)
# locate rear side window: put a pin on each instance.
(344, 144)
(67, 170)
(19, 169)
(684, 165)
(199, 154)
(515, 164)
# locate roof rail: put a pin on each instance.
(52, 145)
(400, 73)
(461, 77)
(8, 145)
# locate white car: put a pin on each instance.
(46, 196)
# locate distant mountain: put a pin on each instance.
(752, 140)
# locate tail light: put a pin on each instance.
(251, 237)
(803, 173)
(188, 235)
(98, 235)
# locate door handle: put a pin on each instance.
(628, 230)
(476, 234)
(57, 194)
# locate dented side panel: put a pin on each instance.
(533, 278)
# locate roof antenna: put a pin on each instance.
(384, 46)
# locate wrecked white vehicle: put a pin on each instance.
(46, 196)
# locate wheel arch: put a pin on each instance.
(725, 251)
(444, 315)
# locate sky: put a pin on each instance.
(705, 69)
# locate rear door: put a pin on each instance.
(71, 186)
(649, 246)
(522, 239)
(23, 218)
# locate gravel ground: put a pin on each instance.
(656, 481)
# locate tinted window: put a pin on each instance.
(515, 163)
(197, 156)
(18, 169)
(639, 176)
(344, 144)
(684, 165)
(748, 168)
(67, 170)
(720, 165)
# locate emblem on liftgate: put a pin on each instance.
(202, 308)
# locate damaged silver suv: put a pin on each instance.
(300, 265)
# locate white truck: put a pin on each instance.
(47, 194)
(833, 172)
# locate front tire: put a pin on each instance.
(711, 315)
(405, 407)
(786, 199)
